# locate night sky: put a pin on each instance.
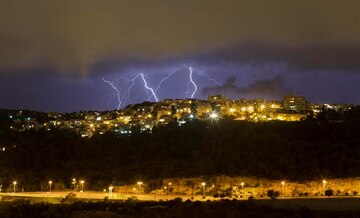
(55, 54)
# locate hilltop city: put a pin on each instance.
(145, 116)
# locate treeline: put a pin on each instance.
(308, 150)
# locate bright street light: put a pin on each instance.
(50, 182)
(110, 190)
(203, 187)
(324, 183)
(283, 188)
(82, 185)
(14, 186)
(169, 189)
(242, 185)
(74, 182)
(214, 115)
(139, 183)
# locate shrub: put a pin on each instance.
(178, 200)
(329, 192)
(273, 194)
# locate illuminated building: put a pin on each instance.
(296, 103)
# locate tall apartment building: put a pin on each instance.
(296, 103)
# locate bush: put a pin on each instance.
(216, 195)
(329, 192)
(273, 194)
(355, 192)
(70, 198)
(131, 199)
(177, 200)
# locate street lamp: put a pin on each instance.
(82, 185)
(242, 185)
(110, 190)
(139, 183)
(203, 187)
(283, 188)
(324, 184)
(14, 183)
(214, 115)
(169, 188)
(74, 182)
(50, 182)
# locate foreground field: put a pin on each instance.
(318, 203)
(173, 208)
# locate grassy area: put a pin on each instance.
(325, 204)
(176, 208)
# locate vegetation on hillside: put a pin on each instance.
(307, 150)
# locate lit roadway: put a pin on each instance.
(101, 195)
(89, 195)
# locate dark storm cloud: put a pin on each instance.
(73, 36)
(274, 88)
(305, 58)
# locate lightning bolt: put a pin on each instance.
(132, 82)
(130, 87)
(192, 82)
(148, 88)
(211, 79)
(116, 90)
(163, 80)
(192, 87)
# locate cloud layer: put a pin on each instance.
(268, 88)
(73, 36)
